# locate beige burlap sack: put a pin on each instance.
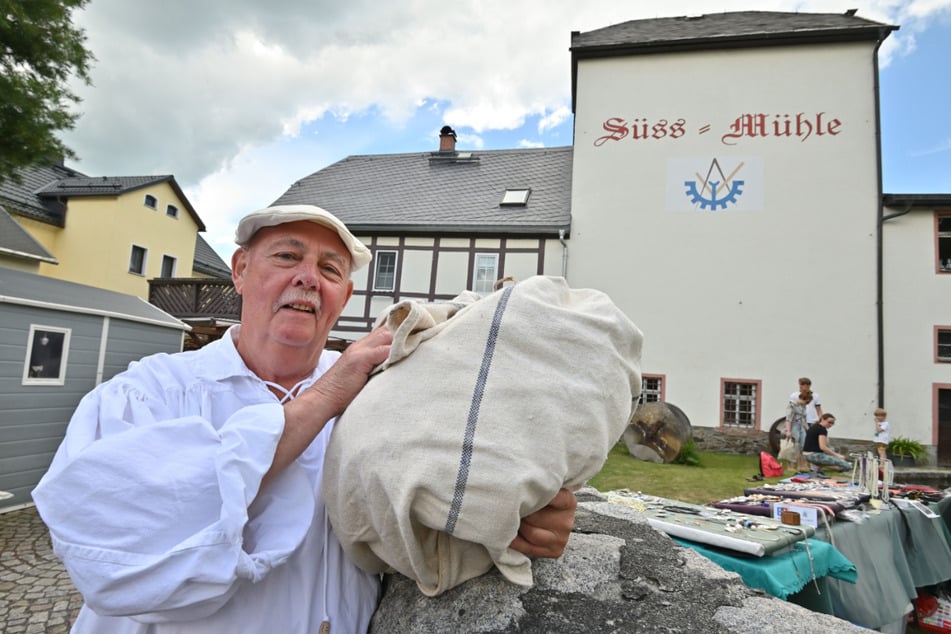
(486, 408)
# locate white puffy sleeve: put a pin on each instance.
(151, 509)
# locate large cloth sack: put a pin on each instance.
(486, 408)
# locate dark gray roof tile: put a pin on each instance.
(20, 198)
(208, 262)
(99, 185)
(758, 28)
(434, 192)
(43, 190)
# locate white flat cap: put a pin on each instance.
(360, 255)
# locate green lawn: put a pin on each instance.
(718, 476)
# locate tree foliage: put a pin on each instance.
(40, 50)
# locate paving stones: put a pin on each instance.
(36, 594)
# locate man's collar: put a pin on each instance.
(232, 364)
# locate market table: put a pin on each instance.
(895, 552)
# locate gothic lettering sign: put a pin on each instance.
(719, 183)
(800, 126)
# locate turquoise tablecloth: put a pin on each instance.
(786, 573)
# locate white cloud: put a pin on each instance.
(183, 87)
(530, 144)
(470, 141)
(554, 119)
(226, 94)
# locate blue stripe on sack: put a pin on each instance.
(463, 475)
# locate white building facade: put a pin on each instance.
(726, 193)
(917, 318)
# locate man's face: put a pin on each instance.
(294, 280)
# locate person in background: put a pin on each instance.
(817, 449)
(814, 408)
(881, 433)
(796, 425)
(185, 496)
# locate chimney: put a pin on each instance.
(447, 139)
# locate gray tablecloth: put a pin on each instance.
(895, 552)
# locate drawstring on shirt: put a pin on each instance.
(290, 394)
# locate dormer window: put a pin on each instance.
(515, 197)
(151, 201)
(171, 211)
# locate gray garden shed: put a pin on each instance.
(58, 340)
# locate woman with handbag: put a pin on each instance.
(796, 428)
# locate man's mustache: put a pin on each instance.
(298, 296)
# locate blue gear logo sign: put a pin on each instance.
(716, 190)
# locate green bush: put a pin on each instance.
(688, 454)
(901, 447)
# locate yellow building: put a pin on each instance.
(112, 232)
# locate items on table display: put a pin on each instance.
(903, 504)
(800, 514)
(918, 492)
(820, 491)
(715, 527)
(835, 498)
(764, 505)
(873, 476)
(933, 613)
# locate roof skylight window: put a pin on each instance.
(515, 197)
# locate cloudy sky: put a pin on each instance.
(240, 98)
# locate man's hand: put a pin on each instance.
(344, 380)
(545, 532)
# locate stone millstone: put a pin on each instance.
(657, 431)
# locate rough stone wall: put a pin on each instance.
(716, 441)
(751, 443)
(617, 575)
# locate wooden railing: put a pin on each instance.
(187, 297)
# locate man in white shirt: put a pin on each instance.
(186, 496)
(814, 407)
